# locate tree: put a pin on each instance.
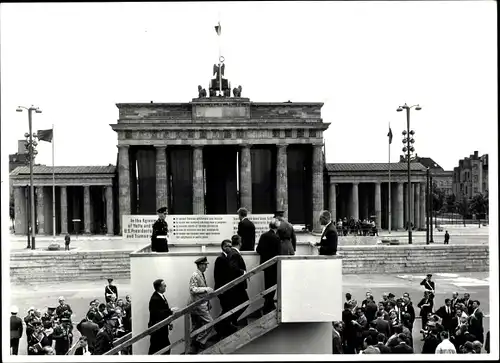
(463, 207)
(438, 198)
(450, 203)
(479, 205)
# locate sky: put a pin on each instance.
(362, 59)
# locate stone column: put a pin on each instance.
(317, 186)
(399, 207)
(40, 212)
(86, 209)
(411, 204)
(161, 178)
(123, 182)
(109, 211)
(378, 206)
(422, 206)
(333, 201)
(20, 215)
(64, 210)
(246, 178)
(282, 180)
(416, 205)
(198, 189)
(355, 201)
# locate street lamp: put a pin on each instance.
(31, 155)
(408, 141)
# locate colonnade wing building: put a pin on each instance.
(211, 156)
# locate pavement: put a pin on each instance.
(79, 294)
(458, 235)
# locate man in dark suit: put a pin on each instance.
(382, 325)
(16, 330)
(336, 339)
(328, 241)
(222, 276)
(238, 294)
(445, 312)
(109, 290)
(407, 307)
(159, 238)
(468, 303)
(384, 349)
(159, 311)
(476, 322)
(269, 246)
(89, 330)
(286, 234)
(246, 230)
(104, 338)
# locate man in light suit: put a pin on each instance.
(328, 241)
(200, 315)
(159, 310)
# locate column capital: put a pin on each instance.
(160, 146)
(281, 146)
(123, 146)
(243, 146)
(198, 147)
(355, 183)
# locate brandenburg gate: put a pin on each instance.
(221, 152)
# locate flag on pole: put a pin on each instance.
(390, 135)
(218, 29)
(45, 135)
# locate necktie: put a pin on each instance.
(204, 280)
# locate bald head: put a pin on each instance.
(325, 217)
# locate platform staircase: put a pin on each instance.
(257, 326)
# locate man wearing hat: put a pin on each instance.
(104, 338)
(62, 308)
(246, 230)
(63, 335)
(286, 234)
(200, 315)
(16, 330)
(428, 284)
(159, 241)
(109, 290)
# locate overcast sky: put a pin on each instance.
(362, 59)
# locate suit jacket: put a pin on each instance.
(383, 327)
(221, 271)
(269, 246)
(328, 242)
(108, 290)
(158, 311)
(441, 312)
(370, 332)
(384, 349)
(238, 268)
(337, 343)
(476, 322)
(16, 327)
(160, 228)
(246, 230)
(89, 330)
(197, 290)
(468, 305)
(286, 233)
(425, 309)
(371, 311)
(104, 342)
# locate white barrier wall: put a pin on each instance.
(176, 269)
(310, 289)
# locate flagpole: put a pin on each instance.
(390, 217)
(220, 57)
(53, 189)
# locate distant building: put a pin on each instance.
(471, 176)
(443, 179)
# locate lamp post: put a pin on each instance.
(31, 156)
(408, 141)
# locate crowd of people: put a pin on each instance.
(386, 326)
(52, 333)
(357, 227)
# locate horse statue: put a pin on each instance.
(237, 91)
(202, 92)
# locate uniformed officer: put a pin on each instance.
(159, 241)
(63, 335)
(109, 290)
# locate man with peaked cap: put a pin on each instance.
(62, 308)
(104, 337)
(63, 335)
(109, 290)
(159, 238)
(200, 315)
(428, 284)
(16, 330)
(286, 234)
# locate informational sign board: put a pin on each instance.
(199, 229)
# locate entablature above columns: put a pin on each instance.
(238, 142)
(372, 179)
(77, 180)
